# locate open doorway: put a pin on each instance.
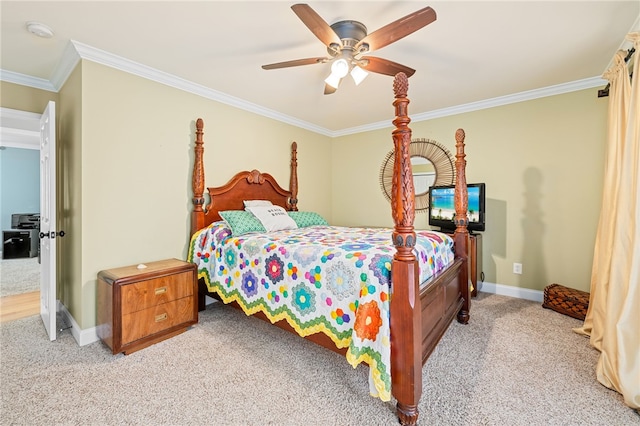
(19, 204)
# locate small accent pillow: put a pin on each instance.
(256, 203)
(305, 219)
(241, 222)
(273, 218)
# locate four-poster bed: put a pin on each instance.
(396, 316)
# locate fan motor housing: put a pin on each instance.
(350, 32)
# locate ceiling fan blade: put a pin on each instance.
(398, 29)
(385, 66)
(316, 24)
(294, 63)
(328, 89)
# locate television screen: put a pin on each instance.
(442, 209)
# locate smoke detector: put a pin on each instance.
(39, 29)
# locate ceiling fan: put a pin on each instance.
(348, 41)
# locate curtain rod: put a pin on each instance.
(605, 92)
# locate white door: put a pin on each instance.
(48, 219)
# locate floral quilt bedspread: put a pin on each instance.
(328, 279)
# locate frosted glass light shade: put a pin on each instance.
(340, 68)
(358, 74)
(333, 80)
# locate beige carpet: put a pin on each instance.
(514, 364)
(19, 276)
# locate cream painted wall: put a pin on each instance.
(542, 161)
(137, 155)
(69, 197)
(25, 98)
(126, 145)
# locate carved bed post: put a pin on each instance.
(197, 181)
(405, 305)
(293, 182)
(461, 235)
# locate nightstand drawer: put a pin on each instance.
(156, 319)
(146, 294)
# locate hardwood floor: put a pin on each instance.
(19, 306)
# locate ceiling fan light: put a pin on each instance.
(358, 74)
(333, 80)
(340, 68)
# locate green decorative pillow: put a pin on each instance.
(241, 222)
(304, 219)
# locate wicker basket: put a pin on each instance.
(566, 300)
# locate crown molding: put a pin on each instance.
(125, 65)
(559, 89)
(68, 62)
(587, 83)
(76, 51)
(26, 80)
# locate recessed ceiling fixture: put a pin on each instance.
(39, 29)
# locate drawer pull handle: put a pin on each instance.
(161, 290)
(161, 317)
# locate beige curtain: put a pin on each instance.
(613, 317)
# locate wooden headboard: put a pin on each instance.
(245, 185)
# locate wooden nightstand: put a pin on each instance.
(138, 307)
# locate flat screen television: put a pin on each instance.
(442, 208)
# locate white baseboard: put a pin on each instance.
(83, 337)
(507, 290)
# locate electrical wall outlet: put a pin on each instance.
(517, 268)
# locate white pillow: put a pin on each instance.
(273, 218)
(256, 203)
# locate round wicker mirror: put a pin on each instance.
(432, 165)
